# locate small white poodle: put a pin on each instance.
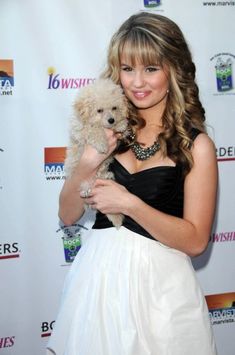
(99, 105)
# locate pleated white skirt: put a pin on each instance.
(129, 295)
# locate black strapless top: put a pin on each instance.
(161, 187)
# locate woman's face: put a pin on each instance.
(145, 86)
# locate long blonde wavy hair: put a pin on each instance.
(150, 38)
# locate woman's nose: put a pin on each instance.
(139, 80)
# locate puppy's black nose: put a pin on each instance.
(111, 120)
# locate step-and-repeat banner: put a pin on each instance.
(48, 51)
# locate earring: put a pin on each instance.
(167, 91)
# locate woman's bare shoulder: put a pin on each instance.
(203, 146)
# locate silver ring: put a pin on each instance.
(86, 193)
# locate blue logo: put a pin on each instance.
(6, 77)
(152, 3)
(223, 66)
(224, 74)
(54, 163)
(71, 240)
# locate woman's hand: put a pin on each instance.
(71, 204)
(108, 196)
(91, 159)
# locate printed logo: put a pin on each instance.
(225, 153)
(223, 67)
(224, 74)
(46, 328)
(71, 238)
(6, 77)
(151, 3)
(55, 81)
(9, 251)
(218, 237)
(54, 163)
(7, 342)
(221, 308)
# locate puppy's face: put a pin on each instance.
(102, 105)
(108, 116)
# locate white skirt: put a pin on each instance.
(126, 294)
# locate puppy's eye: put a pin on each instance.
(100, 110)
(114, 108)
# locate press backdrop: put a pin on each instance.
(48, 51)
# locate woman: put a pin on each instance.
(133, 291)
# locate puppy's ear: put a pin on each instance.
(79, 105)
(82, 108)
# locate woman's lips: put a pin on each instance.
(140, 94)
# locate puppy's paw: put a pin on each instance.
(102, 148)
(97, 139)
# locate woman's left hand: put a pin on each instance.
(108, 196)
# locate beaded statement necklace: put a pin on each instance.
(144, 153)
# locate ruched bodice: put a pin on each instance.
(160, 187)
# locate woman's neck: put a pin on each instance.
(148, 134)
(152, 115)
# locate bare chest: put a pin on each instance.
(131, 164)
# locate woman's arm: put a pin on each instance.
(71, 205)
(189, 234)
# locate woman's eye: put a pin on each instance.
(152, 69)
(128, 69)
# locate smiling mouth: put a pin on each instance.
(140, 94)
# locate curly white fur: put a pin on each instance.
(98, 106)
